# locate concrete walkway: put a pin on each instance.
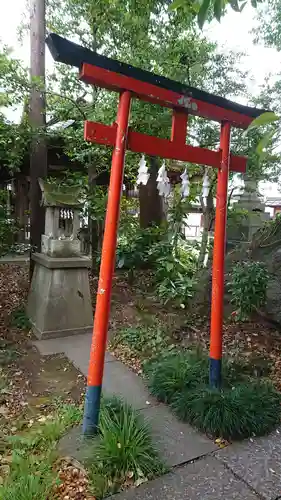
(249, 470)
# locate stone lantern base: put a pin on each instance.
(59, 301)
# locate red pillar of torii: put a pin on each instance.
(133, 83)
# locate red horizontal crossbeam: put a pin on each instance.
(158, 95)
(155, 146)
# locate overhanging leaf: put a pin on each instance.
(203, 12)
(234, 5)
(218, 8)
(265, 141)
(196, 5)
(177, 4)
(264, 119)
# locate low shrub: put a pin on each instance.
(178, 290)
(134, 249)
(7, 225)
(174, 277)
(242, 408)
(151, 248)
(248, 288)
(20, 248)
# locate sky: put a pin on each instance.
(233, 33)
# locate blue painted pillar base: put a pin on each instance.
(215, 373)
(91, 410)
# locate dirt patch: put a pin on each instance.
(13, 294)
(32, 384)
(54, 375)
(29, 382)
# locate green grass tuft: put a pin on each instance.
(112, 405)
(43, 436)
(31, 475)
(124, 453)
(19, 319)
(243, 408)
(126, 445)
(244, 411)
(121, 455)
(176, 372)
(31, 478)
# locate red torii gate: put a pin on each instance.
(131, 83)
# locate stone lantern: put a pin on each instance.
(59, 302)
(250, 201)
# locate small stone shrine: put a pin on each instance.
(59, 301)
(250, 201)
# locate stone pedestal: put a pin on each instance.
(59, 301)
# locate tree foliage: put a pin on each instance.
(248, 288)
(207, 9)
(269, 29)
(13, 92)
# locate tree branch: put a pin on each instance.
(75, 104)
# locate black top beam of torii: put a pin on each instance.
(72, 54)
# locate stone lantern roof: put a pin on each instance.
(54, 195)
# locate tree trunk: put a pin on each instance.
(37, 118)
(151, 204)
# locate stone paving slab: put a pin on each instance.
(257, 462)
(79, 354)
(205, 479)
(176, 441)
(56, 346)
(77, 348)
(120, 381)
